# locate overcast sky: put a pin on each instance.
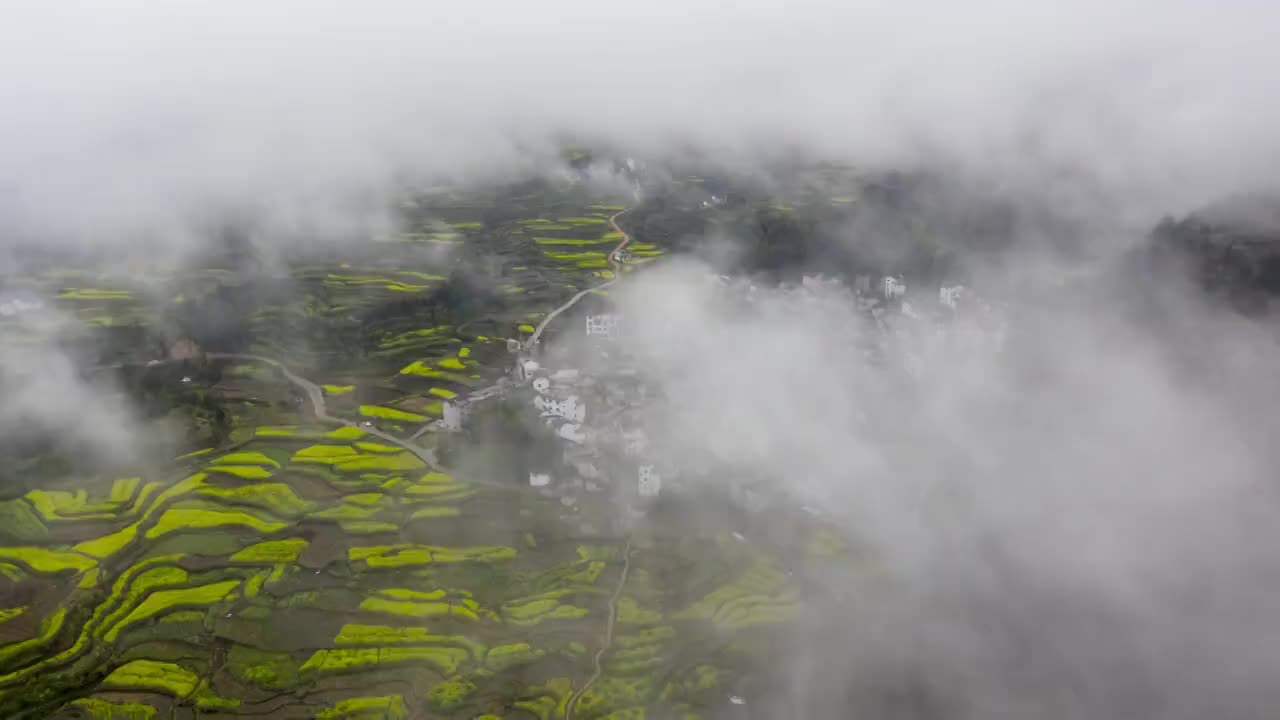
(1104, 541)
(123, 116)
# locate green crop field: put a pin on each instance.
(267, 562)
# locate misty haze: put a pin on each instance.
(575, 361)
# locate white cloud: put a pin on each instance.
(1077, 526)
(125, 115)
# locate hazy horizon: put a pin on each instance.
(125, 119)
(1078, 523)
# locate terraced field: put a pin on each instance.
(318, 574)
(278, 567)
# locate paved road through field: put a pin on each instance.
(617, 273)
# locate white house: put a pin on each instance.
(541, 385)
(893, 287)
(605, 326)
(584, 465)
(457, 411)
(950, 296)
(526, 368)
(818, 282)
(568, 408)
(539, 479)
(572, 432)
(565, 376)
(649, 481)
(581, 458)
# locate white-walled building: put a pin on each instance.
(817, 283)
(526, 368)
(950, 296)
(893, 287)
(457, 411)
(568, 408)
(603, 326)
(581, 458)
(649, 482)
(572, 432)
(539, 480)
(541, 385)
(566, 376)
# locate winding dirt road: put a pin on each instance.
(608, 634)
(626, 240)
(316, 396)
(617, 273)
(626, 563)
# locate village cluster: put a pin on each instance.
(911, 331)
(594, 411)
(926, 332)
(593, 414)
(912, 336)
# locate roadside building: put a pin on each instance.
(649, 482)
(526, 368)
(572, 432)
(893, 287)
(602, 326)
(568, 376)
(582, 459)
(950, 296)
(456, 413)
(568, 408)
